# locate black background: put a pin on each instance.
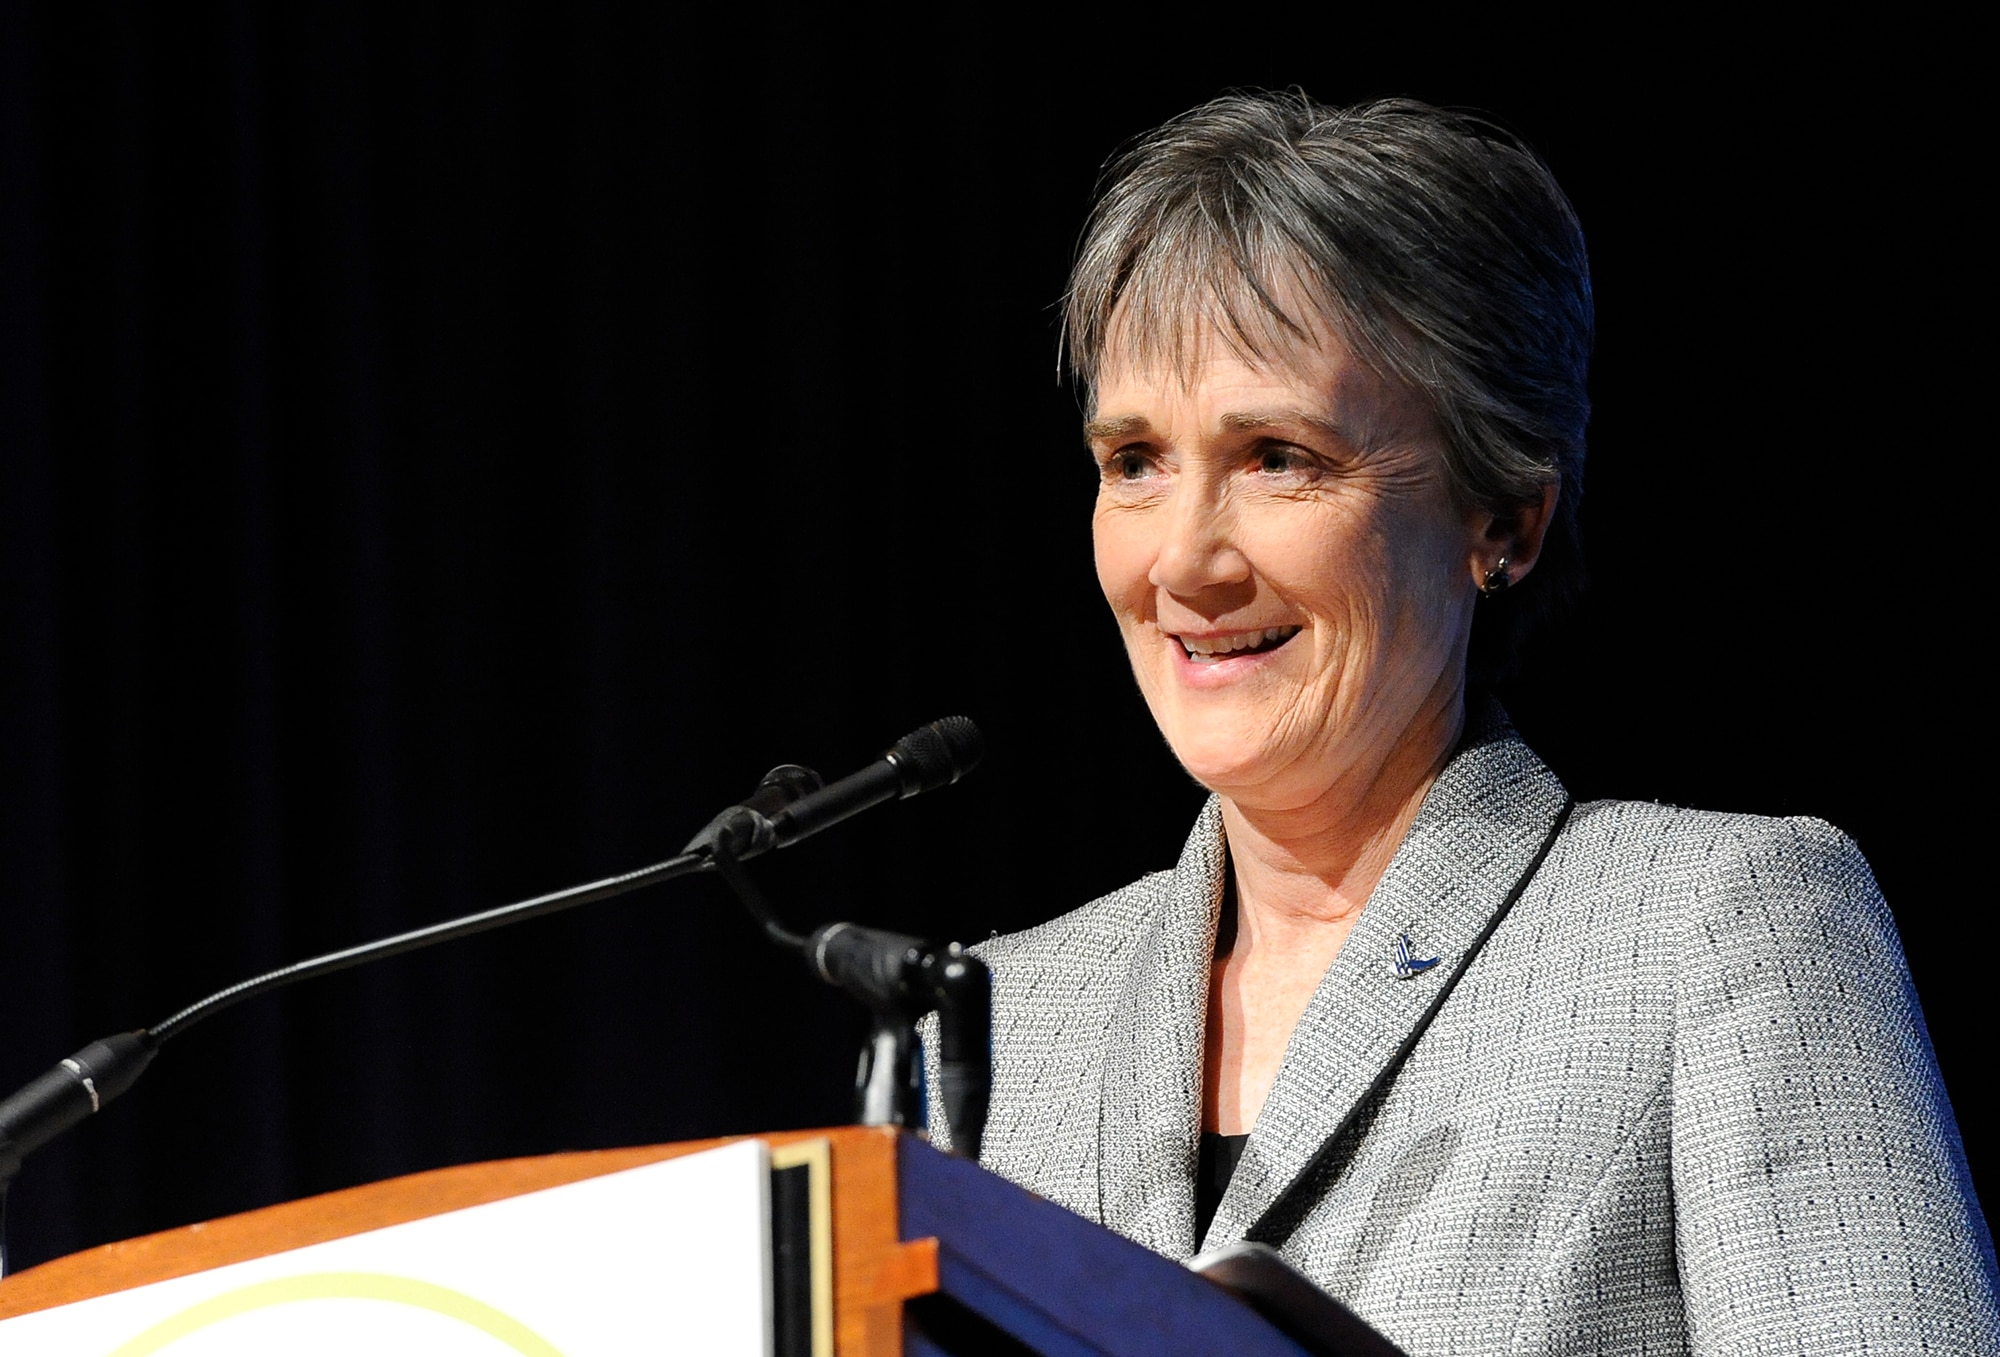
(443, 459)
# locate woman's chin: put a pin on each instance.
(1228, 770)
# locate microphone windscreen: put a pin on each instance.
(938, 755)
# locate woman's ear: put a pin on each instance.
(1510, 544)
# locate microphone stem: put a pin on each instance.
(752, 898)
(518, 912)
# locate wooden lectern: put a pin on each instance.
(931, 1256)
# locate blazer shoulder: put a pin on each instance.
(1096, 937)
(1722, 896)
(1717, 858)
(1661, 822)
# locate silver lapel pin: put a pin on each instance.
(1407, 965)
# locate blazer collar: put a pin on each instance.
(1149, 1117)
(1475, 833)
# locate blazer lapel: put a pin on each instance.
(1477, 831)
(1150, 1115)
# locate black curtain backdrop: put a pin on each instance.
(444, 458)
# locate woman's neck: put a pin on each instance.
(1299, 877)
(1306, 867)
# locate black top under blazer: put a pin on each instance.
(1682, 1100)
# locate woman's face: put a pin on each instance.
(1294, 582)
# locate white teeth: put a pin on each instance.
(1210, 647)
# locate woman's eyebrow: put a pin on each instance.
(1244, 421)
(1109, 430)
(1249, 421)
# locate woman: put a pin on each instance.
(1504, 1073)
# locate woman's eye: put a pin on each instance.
(1127, 465)
(1279, 461)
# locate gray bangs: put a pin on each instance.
(1197, 269)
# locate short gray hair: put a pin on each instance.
(1437, 247)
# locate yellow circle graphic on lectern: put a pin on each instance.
(440, 1300)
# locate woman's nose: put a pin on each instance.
(1197, 548)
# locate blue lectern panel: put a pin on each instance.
(1019, 1274)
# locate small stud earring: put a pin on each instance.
(1497, 580)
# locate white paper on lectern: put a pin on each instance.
(670, 1258)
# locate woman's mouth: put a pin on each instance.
(1211, 649)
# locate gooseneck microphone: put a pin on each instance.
(929, 757)
(788, 805)
(934, 756)
(81, 1085)
(898, 978)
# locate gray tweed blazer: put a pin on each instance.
(1681, 1101)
